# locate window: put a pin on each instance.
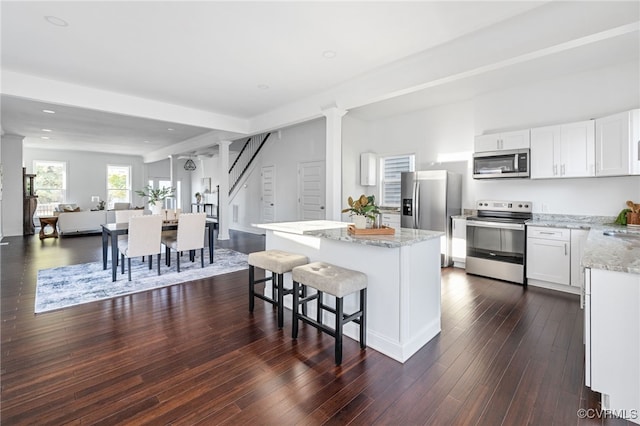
(390, 169)
(50, 185)
(118, 184)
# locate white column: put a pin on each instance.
(333, 157)
(12, 201)
(223, 209)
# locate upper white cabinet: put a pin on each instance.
(617, 141)
(563, 151)
(498, 141)
(368, 169)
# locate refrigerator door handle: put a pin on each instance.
(416, 207)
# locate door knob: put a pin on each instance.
(271, 204)
(321, 207)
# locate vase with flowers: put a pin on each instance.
(362, 209)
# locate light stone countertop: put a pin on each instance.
(402, 237)
(614, 253)
(302, 227)
(338, 231)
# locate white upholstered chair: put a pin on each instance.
(143, 240)
(188, 237)
(121, 206)
(123, 216)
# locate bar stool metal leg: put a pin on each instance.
(339, 324)
(251, 289)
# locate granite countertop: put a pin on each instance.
(620, 252)
(302, 227)
(402, 237)
(337, 231)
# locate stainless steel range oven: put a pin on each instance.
(496, 240)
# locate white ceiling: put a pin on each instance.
(232, 60)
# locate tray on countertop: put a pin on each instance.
(384, 230)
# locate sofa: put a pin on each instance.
(72, 220)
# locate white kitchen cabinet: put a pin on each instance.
(518, 139)
(612, 339)
(578, 240)
(566, 150)
(368, 169)
(617, 144)
(549, 255)
(459, 242)
(392, 220)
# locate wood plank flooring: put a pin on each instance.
(193, 354)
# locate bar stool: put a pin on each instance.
(278, 263)
(338, 282)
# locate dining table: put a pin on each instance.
(111, 231)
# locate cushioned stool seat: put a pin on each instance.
(278, 263)
(338, 282)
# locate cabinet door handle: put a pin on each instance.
(562, 168)
(555, 169)
(565, 249)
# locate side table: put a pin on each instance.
(51, 221)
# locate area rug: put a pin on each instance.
(77, 284)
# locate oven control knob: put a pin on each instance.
(520, 205)
(526, 205)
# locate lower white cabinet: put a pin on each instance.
(578, 240)
(459, 242)
(553, 258)
(549, 255)
(612, 340)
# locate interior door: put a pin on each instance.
(311, 190)
(268, 197)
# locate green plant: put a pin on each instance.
(363, 206)
(155, 195)
(622, 217)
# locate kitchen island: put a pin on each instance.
(403, 271)
(612, 318)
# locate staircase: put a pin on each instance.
(245, 158)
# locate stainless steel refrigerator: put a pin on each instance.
(428, 200)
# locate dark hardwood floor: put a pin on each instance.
(193, 354)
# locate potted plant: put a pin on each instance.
(362, 209)
(154, 196)
(198, 197)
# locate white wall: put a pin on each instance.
(87, 173)
(162, 170)
(450, 129)
(300, 143)
(11, 147)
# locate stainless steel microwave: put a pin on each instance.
(512, 163)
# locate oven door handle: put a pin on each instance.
(497, 225)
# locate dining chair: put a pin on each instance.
(143, 240)
(123, 216)
(189, 236)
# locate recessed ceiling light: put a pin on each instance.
(58, 22)
(48, 111)
(146, 141)
(46, 130)
(263, 86)
(329, 54)
(44, 137)
(170, 129)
